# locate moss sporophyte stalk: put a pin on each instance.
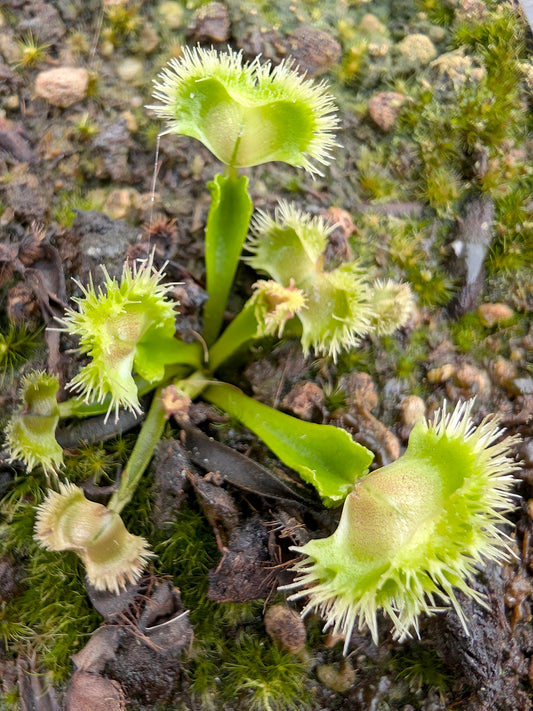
(411, 532)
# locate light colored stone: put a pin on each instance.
(340, 678)
(473, 379)
(439, 375)
(9, 49)
(492, 314)
(62, 86)
(412, 408)
(370, 25)
(286, 628)
(130, 70)
(384, 108)
(149, 39)
(503, 372)
(121, 202)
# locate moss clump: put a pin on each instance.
(232, 660)
(51, 615)
(66, 202)
(265, 678)
(18, 343)
(422, 668)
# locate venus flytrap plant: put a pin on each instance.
(68, 521)
(412, 532)
(30, 434)
(266, 313)
(325, 456)
(128, 325)
(330, 309)
(246, 114)
(341, 304)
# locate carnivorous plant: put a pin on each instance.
(410, 532)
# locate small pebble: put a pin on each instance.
(441, 374)
(470, 11)
(171, 14)
(149, 39)
(517, 355)
(370, 25)
(131, 70)
(286, 628)
(63, 86)
(472, 378)
(412, 408)
(384, 108)
(521, 386)
(131, 121)
(13, 102)
(503, 372)
(492, 314)
(314, 50)
(120, 203)
(9, 49)
(210, 22)
(95, 692)
(341, 218)
(305, 400)
(360, 390)
(338, 680)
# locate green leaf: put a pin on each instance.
(324, 456)
(156, 350)
(227, 227)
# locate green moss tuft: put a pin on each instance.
(17, 345)
(422, 668)
(266, 679)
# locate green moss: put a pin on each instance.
(422, 668)
(10, 701)
(512, 248)
(66, 202)
(55, 607)
(441, 12)
(84, 127)
(266, 679)
(99, 462)
(232, 658)
(122, 23)
(17, 345)
(51, 615)
(149, 132)
(92, 462)
(469, 334)
(31, 52)
(17, 512)
(375, 177)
